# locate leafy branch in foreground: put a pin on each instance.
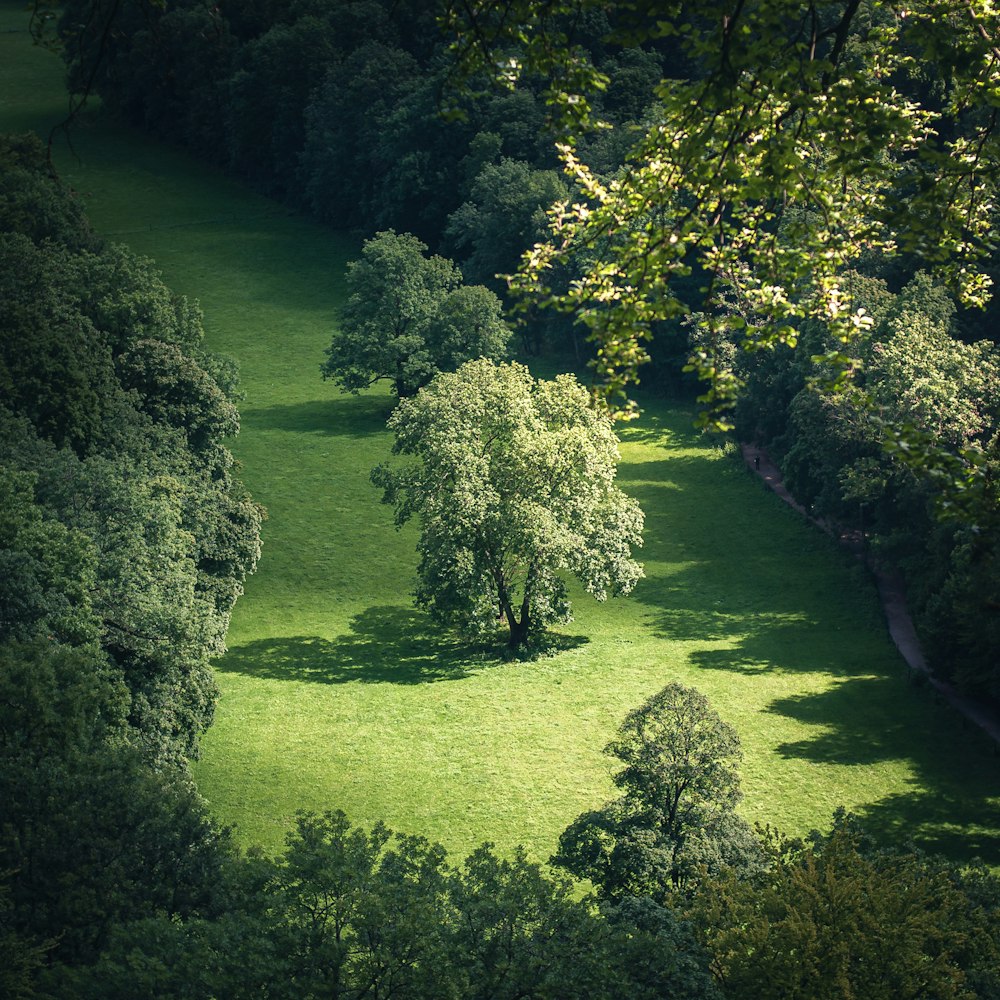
(806, 137)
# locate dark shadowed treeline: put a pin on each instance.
(125, 539)
(334, 107)
(128, 534)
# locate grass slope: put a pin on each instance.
(337, 692)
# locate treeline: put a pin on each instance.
(880, 458)
(125, 539)
(335, 107)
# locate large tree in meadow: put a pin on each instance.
(513, 484)
(408, 316)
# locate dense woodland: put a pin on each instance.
(127, 538)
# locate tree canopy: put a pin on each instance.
(797, 165)
(124, 542)
(787, 140)
(408, 316)
(680, 787)
(837, 917)
(513, 483)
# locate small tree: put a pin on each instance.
(514, 485)
(408, 317)
(681, 787)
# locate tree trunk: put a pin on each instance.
(518, 632)
(519, 629)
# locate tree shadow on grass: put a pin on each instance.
(343, 416)
(765, 624)
(952, 804)
(746, 613)
(953, 808)
(652, 430)
(385, 645)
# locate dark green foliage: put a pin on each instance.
(58, 702)
(47, 571)
(31, 204)
(408, 317)
(159, 66)
(345, 124)
(267, 95)
(122, 523)
(124, 542)
(99, 838)
(354, 913)
(174, 389)
(632, 74)
(839, 454)
(336, 107)
(23, 956)
(835, 919)
(675, 819)
(505, 214)
(90, 833)
(55, 368)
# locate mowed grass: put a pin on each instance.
(338, 693)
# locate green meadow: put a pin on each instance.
(338, 693)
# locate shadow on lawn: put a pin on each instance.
(747, 607)
(954, 807)
(343, 416)
(385, 645)
(952, 804)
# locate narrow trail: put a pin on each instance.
(891, 592)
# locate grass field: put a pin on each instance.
(338, 693)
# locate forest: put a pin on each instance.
(826, 299)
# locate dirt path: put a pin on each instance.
(891, 592)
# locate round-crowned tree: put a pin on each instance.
(676, 816)
(513, 481)
(408, 316)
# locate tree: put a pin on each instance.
(91, 833)
(266, 97)
(797, 138)
(29, 202)
(345, 123)
(357, 913)
(505, 214)
(408, 317)
(47, 571)
(123, 521)
(833, 919)
(513, 484)
(681, 787)
(23, 956)
(157, 65)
